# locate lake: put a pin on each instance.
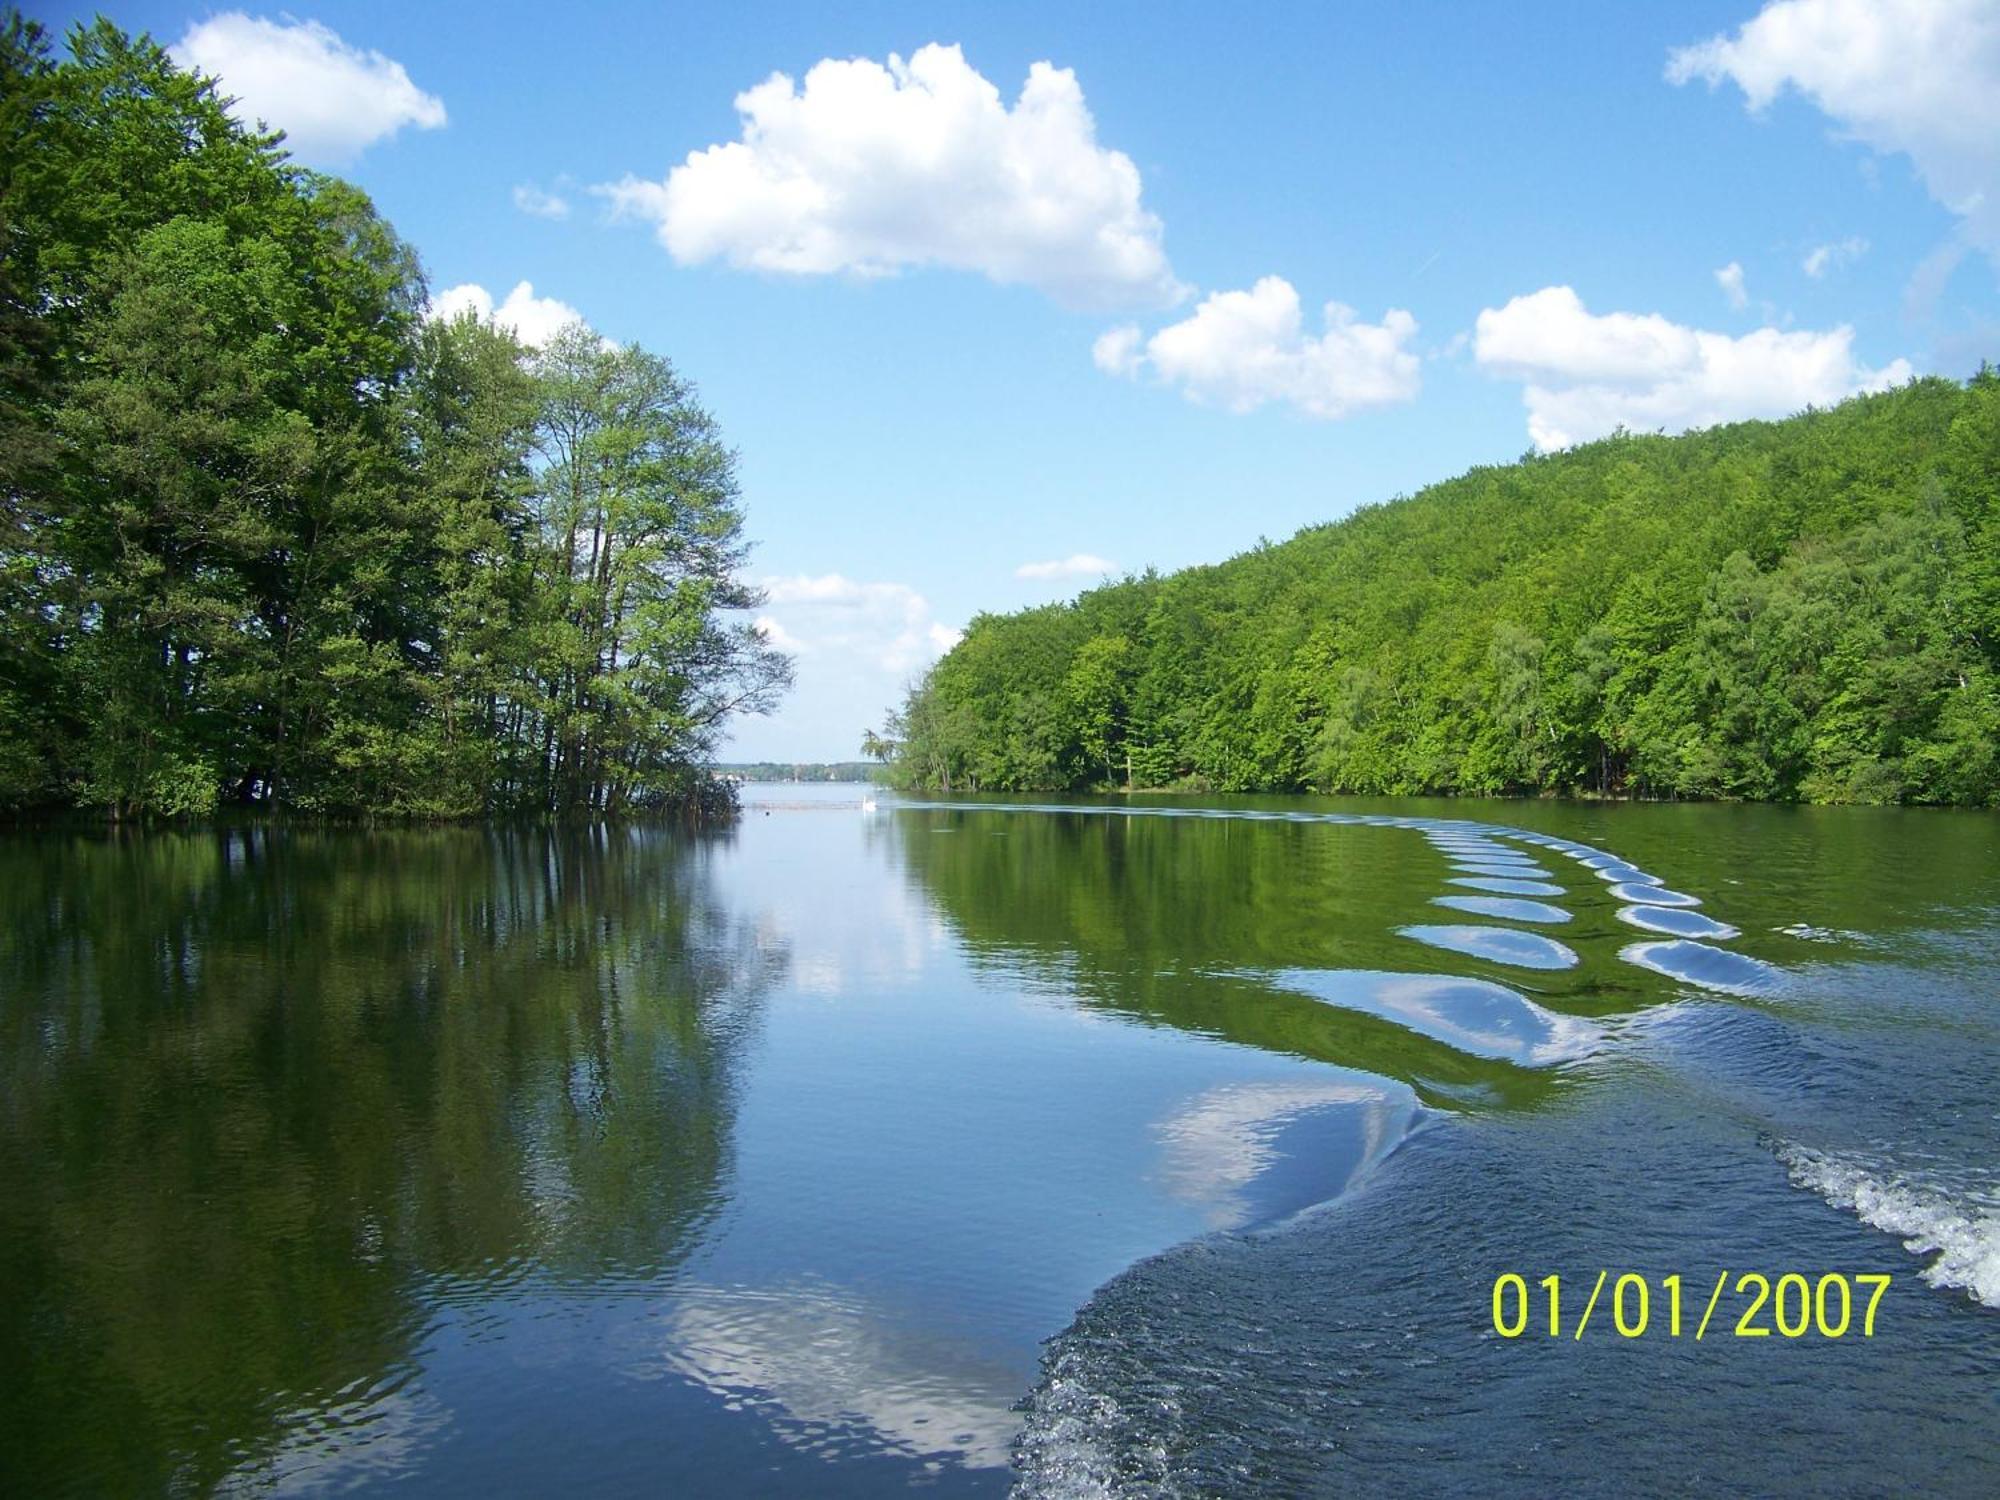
(1170, 1146)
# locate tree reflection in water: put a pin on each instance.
(268, 1098)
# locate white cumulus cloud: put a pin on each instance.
(1919, 77)
(540, 202)
(331, 99)
(531, 319)
(871, 168)
(1120, 351)
(1730, 279)
(1242, 349)
(1587, 374)
(1076, 565)
(890, 625)
(1823, 258)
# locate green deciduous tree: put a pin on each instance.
(1797, 609)
(270, 537)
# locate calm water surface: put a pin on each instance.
(1162, 1148)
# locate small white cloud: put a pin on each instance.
(539, 202)
(828, 588)
(944, 637)
(1076, 565)
(1730, 279)
(778, 636)
(1823, 258)
(1119, 351)
(1919, 77)
(1242, 349)
(531, 319)
(332, 100)
(1586, 375)
(872, 169)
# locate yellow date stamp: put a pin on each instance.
(1790, 1306)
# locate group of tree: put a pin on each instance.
(274, 535)
(1798, 610)
(803, 770)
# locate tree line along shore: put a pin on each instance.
(1800, 610)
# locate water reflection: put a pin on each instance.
(1471, 1015)
(271, 1098)
(1279, 936)
(1226, 1145)
(759, 1164)
(1711, 968)
(1507, 908)
(1641, 893)
(1500, 945)
(839, 1374)
(1677, 921)
(1503, 886)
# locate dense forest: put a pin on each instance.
(1796, 610)
(274, 536)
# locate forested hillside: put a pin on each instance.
(272, 537)
(1806, 609)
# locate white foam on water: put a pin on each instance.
(1079, 1442)
(1813, 934)
(1961, 1233)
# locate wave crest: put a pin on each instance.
(1961, 1230)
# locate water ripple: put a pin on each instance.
(1711, 968)
(1473, 1015)
(1501, 945)
(1676, 921)
(1505, 887)
(1503, 907)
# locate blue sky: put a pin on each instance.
(956, 332)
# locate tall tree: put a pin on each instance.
(270, 536)
(641, 547)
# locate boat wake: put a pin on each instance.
(1958, 1226)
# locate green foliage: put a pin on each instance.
(1797, 610)
(272, 538)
